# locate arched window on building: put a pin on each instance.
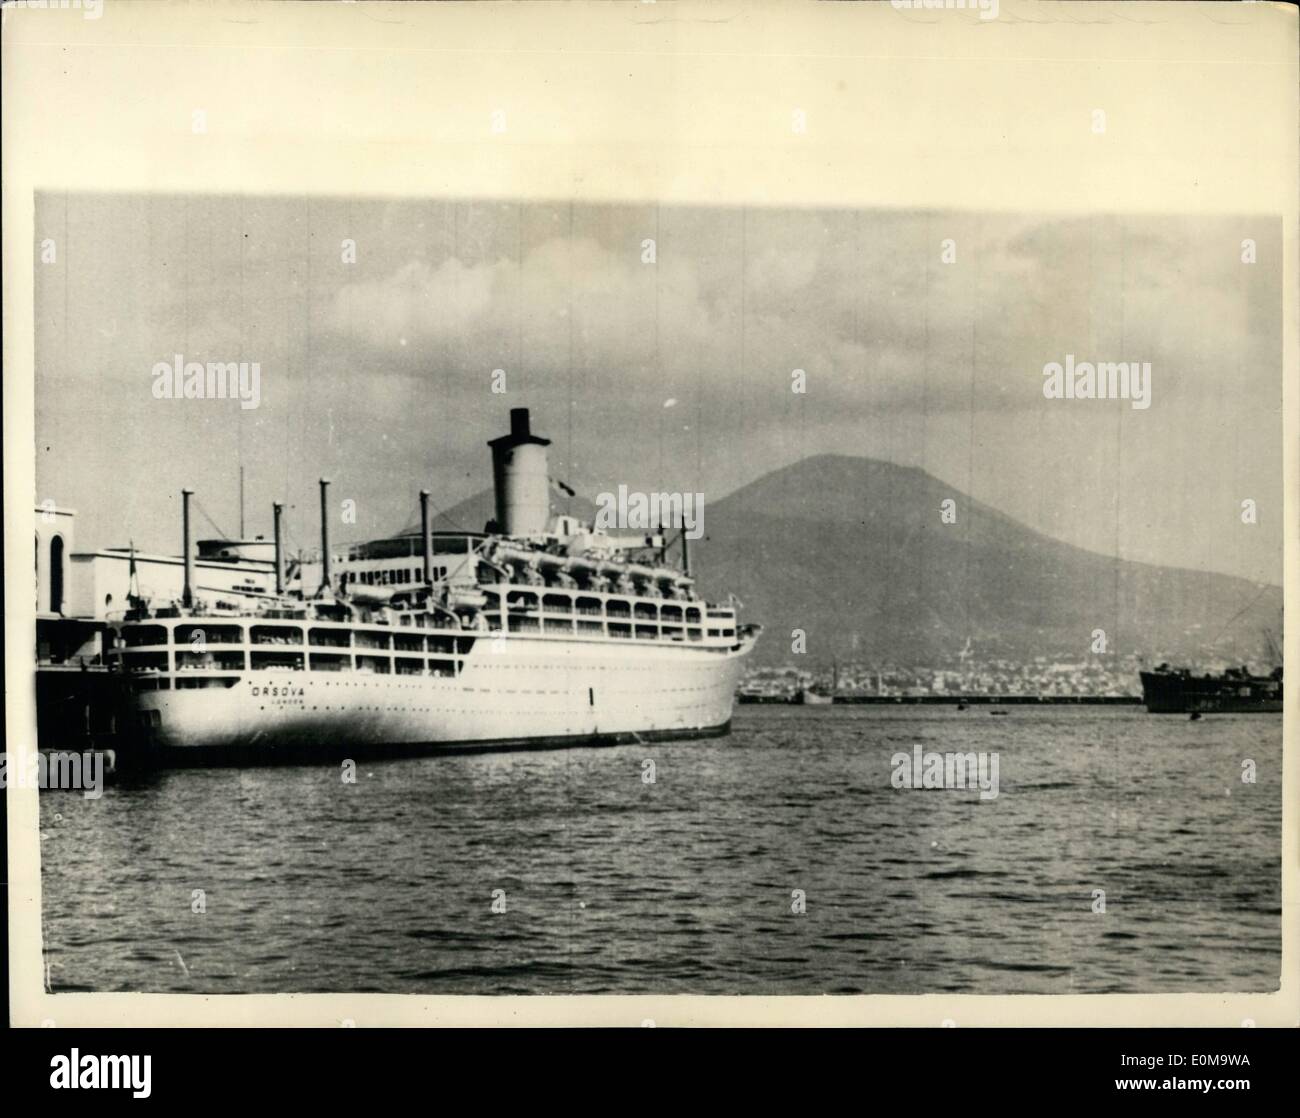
(56, 575)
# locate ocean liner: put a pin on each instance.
(538, 631)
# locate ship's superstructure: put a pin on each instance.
(1167, 690)
(537, 631)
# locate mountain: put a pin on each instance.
(854, 552)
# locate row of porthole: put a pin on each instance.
(387, 683)
(444, 710)
(414, 686)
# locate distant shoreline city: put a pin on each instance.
(1114, 679)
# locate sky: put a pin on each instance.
(378, 325)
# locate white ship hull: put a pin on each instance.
(512, 693)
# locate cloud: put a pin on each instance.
(415, 304)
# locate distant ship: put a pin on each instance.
(1167, 690)
(538, 631)
(818, 694)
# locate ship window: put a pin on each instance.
(146, 661)
(209, 634)
(227, 660)
(409, 665)
(276, 634)
(138, 635)
(290, 660)
(330, 638)
(330, 662)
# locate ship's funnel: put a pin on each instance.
(519, 474)
(278, 510)
(326, 574)
(187, 592)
